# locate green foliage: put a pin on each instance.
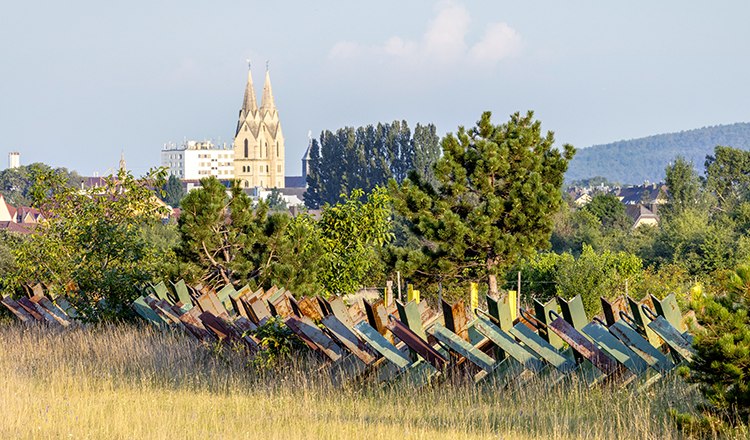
(701, 243)
(226, 240)
(722, 364)
(8, 267)
(728, 176)
(172, 192)
(539, 274)
(685, 188)
(498, 187)
(351, 232)
(592, 275)
(609, 211)
(367, 157)
(91, 246)
(17, 184)
(573, 228)
(278, 343)
(276, 201)
(638, 160)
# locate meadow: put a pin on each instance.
(125, 381)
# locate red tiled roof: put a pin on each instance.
(15, 227)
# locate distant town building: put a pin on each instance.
(20, 219)
(195, 160)
(258, 140)
(14, 159)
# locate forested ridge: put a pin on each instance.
(637, 160)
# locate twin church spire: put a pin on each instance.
(258, 142)
(249, 104)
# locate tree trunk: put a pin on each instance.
(493, 286)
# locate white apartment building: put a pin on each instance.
(198, 159)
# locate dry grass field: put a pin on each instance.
(122, 381)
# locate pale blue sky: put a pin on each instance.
(83, 80)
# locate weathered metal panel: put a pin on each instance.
(507, 344)
(306, 326)
(356, 313)
(258, 308)
(235, 299)
(291, 323)
(641, 347)
(348, 339)
(541, 313)
(339, 309)
(669, 309)
(40, 311)
(66, 306)
(280, 303)
(642, 321)
(672, 337)
(409, 315)
(60, 316)
(500, 310)
(583, 346)
(325, 307)
(191, 321)
(614, 348)
(17, 310)
(268, 294)
(542, 348)
(219, 327)
(146, 312)
(455, 318)
(309, 307)
(183, 294)
(611, 314)
(573, 312)
(161, 291)
(463, 348)
(417, 344)
(381, 345)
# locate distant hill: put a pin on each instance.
(637, 160)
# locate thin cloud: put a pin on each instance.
(443, 42)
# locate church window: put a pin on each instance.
(277, 150)
(246, 148)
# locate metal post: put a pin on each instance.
(518, 289)
(398, 281)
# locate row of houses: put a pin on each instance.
(21, 219)
(641, 202)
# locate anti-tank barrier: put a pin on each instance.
(635, 344)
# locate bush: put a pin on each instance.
(279, 344)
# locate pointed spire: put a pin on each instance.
(123, 166)
(249, 104)
(267, 101)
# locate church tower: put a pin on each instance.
(258, 141)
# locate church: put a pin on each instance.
(258, 140)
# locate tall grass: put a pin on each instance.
(122, 381)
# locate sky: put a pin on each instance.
(83, 81)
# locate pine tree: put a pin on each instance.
(498, 187)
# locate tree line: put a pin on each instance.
(368, 157)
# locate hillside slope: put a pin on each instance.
(637, 160)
